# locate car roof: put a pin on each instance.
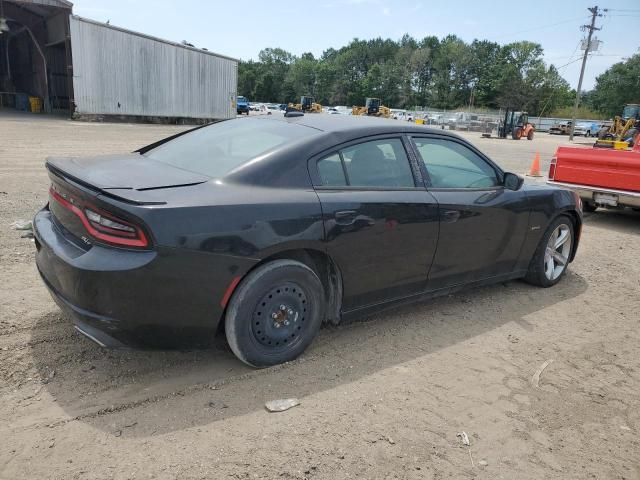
(357, 125)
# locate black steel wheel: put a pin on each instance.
(275, 313)
(280, 315)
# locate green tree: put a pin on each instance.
(301, 78)
(616, 87)
(442, 73)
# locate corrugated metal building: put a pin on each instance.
(95, 69)
(119, 72)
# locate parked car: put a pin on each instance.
(560, 128)
(273, 108)
(242, 105)
(587, 129)
(271, 226)
(402, 115)
(262, 109)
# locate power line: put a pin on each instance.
(569, 63)
(541, 27)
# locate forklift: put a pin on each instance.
(516, 124)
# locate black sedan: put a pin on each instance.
(268, 227)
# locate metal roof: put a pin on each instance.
(47, 3)
(151, 37)
(41, 8)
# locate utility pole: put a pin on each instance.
(591, 28)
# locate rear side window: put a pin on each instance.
(331, 171)
(217, 149)
(379, 163)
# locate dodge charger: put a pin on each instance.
(265, 228)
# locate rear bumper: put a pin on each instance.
(162, 298)
(89, 324)
(588, 193)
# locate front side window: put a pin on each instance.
(453, 165)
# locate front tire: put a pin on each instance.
(530, 135)
(551, 258)
(275, 313)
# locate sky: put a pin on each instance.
(242, 28)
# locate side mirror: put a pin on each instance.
(512, 181)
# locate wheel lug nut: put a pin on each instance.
(276, 324)
(286, 322)
(274, 315)
(290, 312)
(283, 308)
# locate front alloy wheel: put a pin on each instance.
(551, 258)
(557, 253)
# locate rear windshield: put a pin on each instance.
(217, 149)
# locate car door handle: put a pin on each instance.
(345, 216)
(450, 216)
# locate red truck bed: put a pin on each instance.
(597, 167)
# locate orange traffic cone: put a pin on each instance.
(534, 171)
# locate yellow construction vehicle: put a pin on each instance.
(307, 105)
(621, 132)
(373, 108)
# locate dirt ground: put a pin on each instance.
(380, 398)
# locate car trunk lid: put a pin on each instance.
(101, 198)
(125, 177)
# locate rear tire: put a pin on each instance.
(551, 258)
(275, 313)
(530, 135)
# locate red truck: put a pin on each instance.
(602, 177)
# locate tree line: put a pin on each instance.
(445, 73)
(616, 87)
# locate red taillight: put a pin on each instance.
(104, 226)
(552, 168)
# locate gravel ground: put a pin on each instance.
(380, 398)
